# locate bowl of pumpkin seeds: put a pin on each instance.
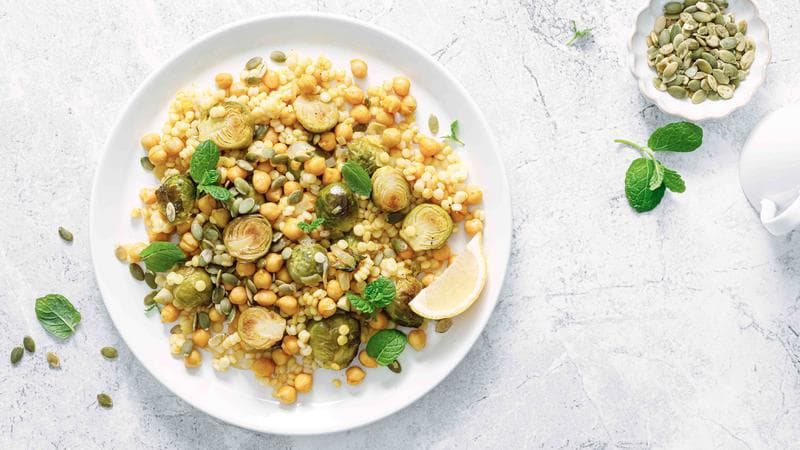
(699, 59)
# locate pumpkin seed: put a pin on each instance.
(246, 205)
(747, 59)
(146, 164)
(136, 271)
(394, 366)
(677, 91)
(443, 325)
(109, 352)
(286, 289)
(217, 294)
(279, 159)
(149, 299)
(433, 124)
(277, 56)
(229, 278)
(673, 8)
(725, 92)
(53, 360)
(253, 62)
(211, 233)
(16, 355)
(699, 97)
(251, 286)
(203, 321)
(176, 330)
(104, 400)
(170, 211)
(65, 234)
(295, 197)
(28, 343)
(278, 182)
(187, 347)
(225, 307)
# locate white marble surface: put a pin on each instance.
(667, 329)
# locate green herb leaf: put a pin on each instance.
(637, 184)
(658, 176)
(218, 192)
(578, 34)
(453, 136)
(204, 158)
(673, 181)
(161, 256)
(380, 292)
(386, 345)
(676, 137)
(357, 178)
(360, 304)
(309, 227)
(211, 177)
(57, 315)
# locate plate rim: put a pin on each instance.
(349, 21)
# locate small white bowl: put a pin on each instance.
(644, 74)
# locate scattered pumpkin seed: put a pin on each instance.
(260, 131)
(443, 325)
(229, 278)
(136, 271)
(170, 212)
(150, 279)
(146, 164)
(217, 294)
(187, 347)
(394, 366)
(203, 321)
(278, 182)
(286, 289)
(225, 307)
(247, 205)
(295, 197)
(28, 343)
(176, 329)
(65, 234)
(16, 355)
(109, 352)
(279, 159)
(277, 56)
(53, 360)
(149, 299)
(433, 124)
(104, 400)
(253, 62)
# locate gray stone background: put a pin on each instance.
(667, 329)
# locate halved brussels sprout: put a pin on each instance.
(390, 191)
(426, 227)
(178, 190)
(260, 328)
(248, 237)
(324, 341)
(364, 151)
(338, 206)
(232, 131)
(398, 310)
(304, 266)
(194, 290)
(315, 115)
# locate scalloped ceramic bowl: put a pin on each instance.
(637, 58)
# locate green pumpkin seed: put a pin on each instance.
(433, 124)
(747, 59)
(229, 278)
(176, 329)
(698, 97)
(65, 234)
(104, 400)
(277, 56)
(53, 360)
(146, 164)
(286, 289)
(149, 299)
(203, 321)
(136, 272)
(677, 91)
(295, 197)
(187, 347)
(280, 159)
(109, 352)
(253, 62)
(16, 354)
(170, 212)
(394, 366)
(246, 205)
(443, 325)
(251, 286)
(725, 92)
(28, 343)
(150, 279)
(673, 8)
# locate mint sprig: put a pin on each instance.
(309, 227)
(161, 256)
(203, 170)
(357, 178)
(386, 345)
(453, 136)
(578, 34)
(377, 294)
(647, 178)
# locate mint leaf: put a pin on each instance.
(676, 137)
(309, 227)
(360, 304)
(357, 178)
(161, 256)
(637, 185)
(453, 136)
(218, 192)
(578, 34)
(658, 177)
(380, 292)
(386, 345)
(210, 177)
(57, 315)
(673, 181)
(204, 158)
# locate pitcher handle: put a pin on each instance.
(783, 223)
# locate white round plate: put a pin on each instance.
(235, 396)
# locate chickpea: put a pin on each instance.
(261, 181)
(326, 307)
(384, 118)
(238, 296)
(265, 298)
(441, 254)
(224, 80)
(366, 360)
(280, 357)
(274, 195)
(287, 117)
(354, 95)
(287, 395)
(263, 367)
(359, 68)
(291, 186)
(315, 165)
(262, 279)
(334, 290)
(290, 345)
(401, 86)
(287, 305)
(150, 140)
(270, 210)
(379, 322)
(157, 155)
(238, 88)
(391, 137)
(408, 105)
(173, 145)
(417, 339)
(406, 254)
(331, 175)
(193, 360)
(245, 269)
(206, 204)
(215, 316)
(200, 337)
(271, 80)
(236, 172)
(360, 114)
(473, 226)
(344, 131)
(354, 375)
(303, 382)
(284, 276)
(307, 84)
(391, 103)
(474, 195)
(327, 142)
(457, 216)
(169, 314)
(429, 146)
(274, 262)
(291, 230)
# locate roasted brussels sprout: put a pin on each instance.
(390, 191)
(426, 227)
(365, 151)
(338, 206)
(193, 290)
(306, 264)
(260, 328)
(398, 310)
(233, 130)
(248, 237)
(179, 191)
(315, 115)
(325, 345)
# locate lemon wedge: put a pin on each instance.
(457, 287)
